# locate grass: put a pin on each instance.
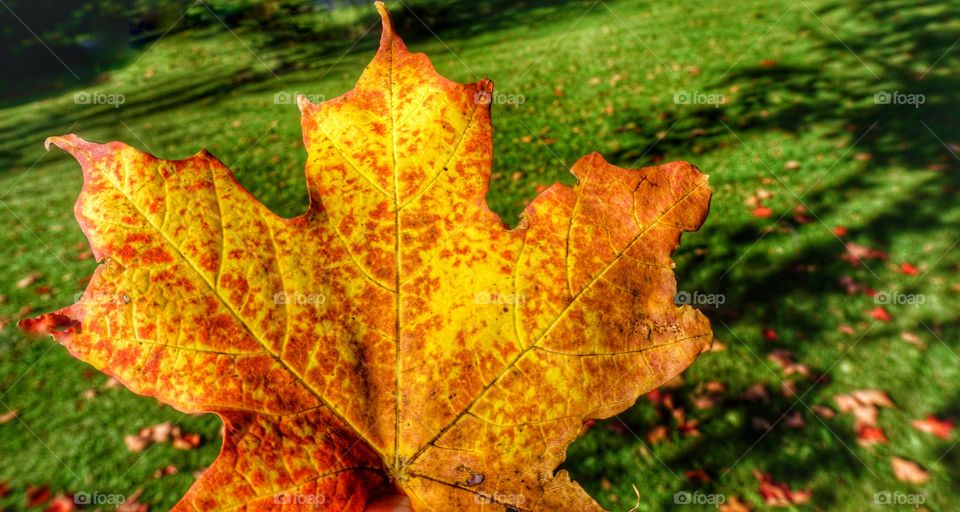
(798, 80)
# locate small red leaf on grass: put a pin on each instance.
(37, 496)
(762, 212)
(855, 253)
(698, 475)
(770, 334)
(869, 435)
(908, 269)
(61, 503)
(878, 313)
(935, 426)
(657, 434)
(908, 471)
(776, 494)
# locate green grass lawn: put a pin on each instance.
(798, 127)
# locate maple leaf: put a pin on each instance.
(935, 426)
(777, 494)
(909, 471)
(397, 336)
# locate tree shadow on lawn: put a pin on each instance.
(796, 289)
(293, 39)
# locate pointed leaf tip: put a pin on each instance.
(303, 102)
(69, 142)
(387, 23)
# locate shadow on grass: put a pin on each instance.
(904, 49)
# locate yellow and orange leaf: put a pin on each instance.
(397, 336)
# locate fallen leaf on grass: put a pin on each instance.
(935, 426)
(8, 416)
(698, 475)
(908, 471)
(909, 270)
(166, 471)
(856, 253)
(881, 314)
(777, 494)
(734, 504)
(757, 393)
(61, 503)
(823, 411)
(864, 404)
(913, 339)
(657, 434)
(132, 503)
(869, 435)
(784, 359)
(28, 279)
(38, 495)
(161, 433)
(794, 420)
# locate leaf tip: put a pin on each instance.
(56, 324)
(387, 22)
(69, 143)
(486, 84)
(303, 103)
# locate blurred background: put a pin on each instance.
(828, 264)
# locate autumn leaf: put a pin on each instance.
(881, 314)
(935, 426)
(777, 494)
(908, 471)
(864, 404)
(397, 335)
(869, 435)
(38, 495)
